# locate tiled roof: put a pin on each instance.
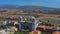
(44, 27)
(15, 22)
(35, 32)
(56, 33)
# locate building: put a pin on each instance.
(44, 27)
(12, 29)
(56, 30)
(56, 33)
(10, 23)
(47, 29)
(2, 22)
(28, 24)
(35, 32)
(6, 31)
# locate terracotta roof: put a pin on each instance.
(56, 33)
(15, 22)
(45, 27)
(35, 32)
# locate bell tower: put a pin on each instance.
(20, 19)
(33, 21)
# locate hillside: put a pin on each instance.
(38, 9)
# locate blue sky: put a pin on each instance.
(48, 3)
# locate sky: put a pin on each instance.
(47, 3)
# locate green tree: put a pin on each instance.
(20, 32)
(3, 26)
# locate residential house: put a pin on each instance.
(35, 32)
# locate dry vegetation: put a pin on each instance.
(16, 14)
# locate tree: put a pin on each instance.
(20, 32)
(3, 26)
(46, 24)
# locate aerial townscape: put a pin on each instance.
(29, 16)
(13, 21)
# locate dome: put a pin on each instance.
(20, 16)
(32, 17)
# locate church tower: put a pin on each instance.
(34, 23)
(20, 19)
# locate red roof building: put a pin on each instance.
(56, 32)
(35, 32)
(44, 27)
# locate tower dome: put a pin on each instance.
(20, 19)
(32, 19)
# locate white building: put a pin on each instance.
(3, 31)
(9, 30)
(5, 22)
(28, 24)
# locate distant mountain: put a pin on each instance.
(40, 8)
(24, 7)
(8, 6)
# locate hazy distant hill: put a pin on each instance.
(41, 8)
(24, 7)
